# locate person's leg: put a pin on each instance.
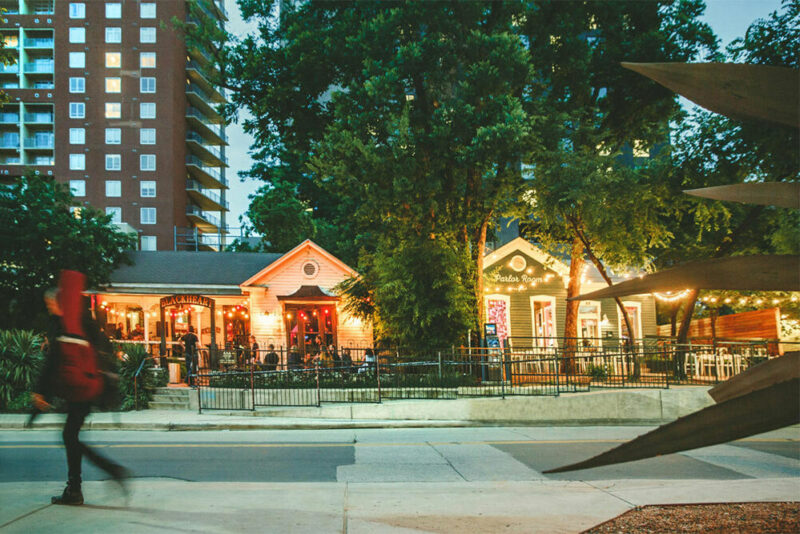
(76, 414)
(187, 359)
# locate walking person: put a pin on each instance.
(190, 354)
(71, 371)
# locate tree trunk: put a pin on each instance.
(480, 247)
(673, 318)
(683, 334)
(571, 320)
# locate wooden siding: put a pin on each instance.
(758, 324)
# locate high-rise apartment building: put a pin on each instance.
(107, 97)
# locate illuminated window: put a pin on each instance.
(113, 188)
(148, 242)
(113, 60)
(77, 35)
(147, 10)
(113, 162)
(113, 136)
(113, 10)
(77, 162)
(77, 10)
(77, 85)
(113, 35)
(77, 136)
(147, 215)
(113, 85)
(113, 110)
(147, 189)
(147, 85)
(147, 110)
(147, 60)
(77, 60)
(77, 188)
(147, 162)
(77, 110)
(147, 136)
(116, 214)
(147, 35)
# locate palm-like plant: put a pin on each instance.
(21, 359)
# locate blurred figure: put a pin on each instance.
(253, 351)
(190, 353)
(271, 359)
(294, 358)
(71, 371)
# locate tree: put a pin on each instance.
(41, 237)
(588, 187)
(280, 217)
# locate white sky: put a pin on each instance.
(728, 18)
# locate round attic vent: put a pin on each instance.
(518, 263)
(310, 269)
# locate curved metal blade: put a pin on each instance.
(758, 377)
(747, 273)
(781, 194)
(738, 91)
(753, 413)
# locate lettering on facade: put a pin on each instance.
(178, 300)
(516, 279)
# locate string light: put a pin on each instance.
(670, 296)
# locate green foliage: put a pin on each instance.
(40, 238)
(598, 372)
(21, 359)
(280, 217)
(137, 359)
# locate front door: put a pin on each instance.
(310, 326)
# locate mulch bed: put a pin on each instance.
(753, 517)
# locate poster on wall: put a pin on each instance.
(497, 313)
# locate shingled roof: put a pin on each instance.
(179, 268)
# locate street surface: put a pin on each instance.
(426, 479)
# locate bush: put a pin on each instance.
(21, 360)
(139, 360)
(597, 372)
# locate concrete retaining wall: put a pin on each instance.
(629, 406)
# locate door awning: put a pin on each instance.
(309, 293)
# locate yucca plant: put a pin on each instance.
(137, 358)
(21, 360)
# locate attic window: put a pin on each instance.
(310, 269)
(518, 263)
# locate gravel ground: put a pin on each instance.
(782, 517)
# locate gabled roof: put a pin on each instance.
(182, 268)
(296, 251)
(519, 244)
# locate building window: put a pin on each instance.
(147, 162)
(113, 10)
(77, 10)
(77, 110)
(113, 110)
(147, 60)
(147, 110)
(148, 242)
(113, 162)
(147, 10)
(77, 35)
(116, 214)
(77, 60)
(77, 85)
(113, 60)
(147, 215)
(634, 310)
(113, 85)
(147, 35)
(147, 85)
(147, 189)
(113, 188)
(77, 162)
(77, 188)
(113, 35)
(77, 136)
(543, 312)
(147, 136)
(113, 136)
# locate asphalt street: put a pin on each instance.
(390, 455)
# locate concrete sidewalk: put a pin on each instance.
(159, 505)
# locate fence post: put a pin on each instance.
(439, 354)
(316, 370)
(502, 374)
(378, 375)
(200, 395)
(252, 389)
(558, 378)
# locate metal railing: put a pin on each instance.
(38, 43)
(43, 67)
(214, 172)
(41, 118)
(194, 185)
(215, 150)
(197, 212)
(38, 142)
(219, 130)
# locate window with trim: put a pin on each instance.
(113, 110)
(77, 85)
(113, 10)
(113, 35)
(77, 10)
(113, 85)
(147, 85)
(113, 60)
(147, 189)
(113, 162)
(77, 162)
(147, 215)
(77, 110)
(77, 60)
(113, 188)
(147, 136)
(589, 327)
(634, 310)
(147, 110)
(147, 162)
(147, 35)
(113, 136)
(77, 35)
(147, 10)
(77, 188)
(147, 60)
(148, 242)
(77, 136)
(116, 214)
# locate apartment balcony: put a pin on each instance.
(38, 68)
(39, 43)
(197, 75)
(213, 133)
(39, 118)
(209, 154)
(202, 220)
(40, 143)
(206, 199)
(201, 101)
(9, 69)
(9, 142)
(209, 177)
(9, 118)
(10, 160)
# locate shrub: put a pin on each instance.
(139, 360)
(597, 372)
(21, 360)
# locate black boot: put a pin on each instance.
(72, 495)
